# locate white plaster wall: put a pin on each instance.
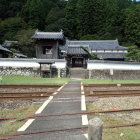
(104, 66)
(59, 65)
(19, 64)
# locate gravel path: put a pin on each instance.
(114, 103)
(117, 103)
(27, 89)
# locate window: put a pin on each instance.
(47, 49)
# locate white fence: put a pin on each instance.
(115, 65)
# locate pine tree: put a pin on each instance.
(71, 16)
(132, 25)
(90, 16)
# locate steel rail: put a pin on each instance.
(23, 97)
(112, 95)
(41, 95)
(27, 86)
(75, 113)
(117, 90)
(110, 85)
(22, 93)
(5, 137)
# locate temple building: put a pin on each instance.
(54, 45)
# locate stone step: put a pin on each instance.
(77, 73)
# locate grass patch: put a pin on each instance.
(9, 126)
(124, 133)
(129, 133)
(97, 81)
(32, 80)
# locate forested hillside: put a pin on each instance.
(79, 19)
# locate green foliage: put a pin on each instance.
(133, 54)
(17, 79)
(33, 13)
(132, 24)
(79, 19)
(63, 24)
(90, 16)
(9, 27)
(25, 43)
(10, 8)
(54, 15)
(91, 55)
(90, 37)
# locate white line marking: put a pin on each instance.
(84, 120)
(29, 122)
(61, 87)
(44, 105)
(83, 106)
(55, 93)
(82, 88)
(83, 103)
(26, 125)
(86, 135)
(47, 101)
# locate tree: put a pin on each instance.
(71, 16)
(115, 18)
(33, 14)
(10, 8)
(133, 54)
(91, 55)
(25, 43)
(132, 25)
(63, 24)
(90, 37)
(9, 27)
(54, 15)
(90, 16)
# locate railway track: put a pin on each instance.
(26, 91)
(30, 86)
(24, 95)
(40, 94)
(111, 85)
(112, 90)
(101, 93)
(114, 93)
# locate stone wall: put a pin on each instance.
(20, 71)
(34, 72)
(117, 74)
(59, 72)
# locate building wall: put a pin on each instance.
(39, 49)
(117, 74)
(29, 67)
(34, 72)
(117, 70)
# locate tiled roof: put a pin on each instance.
(99, 44)
(20, 55)
(8, 43)
(4, 49)
(48, 35)
(75, 50)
